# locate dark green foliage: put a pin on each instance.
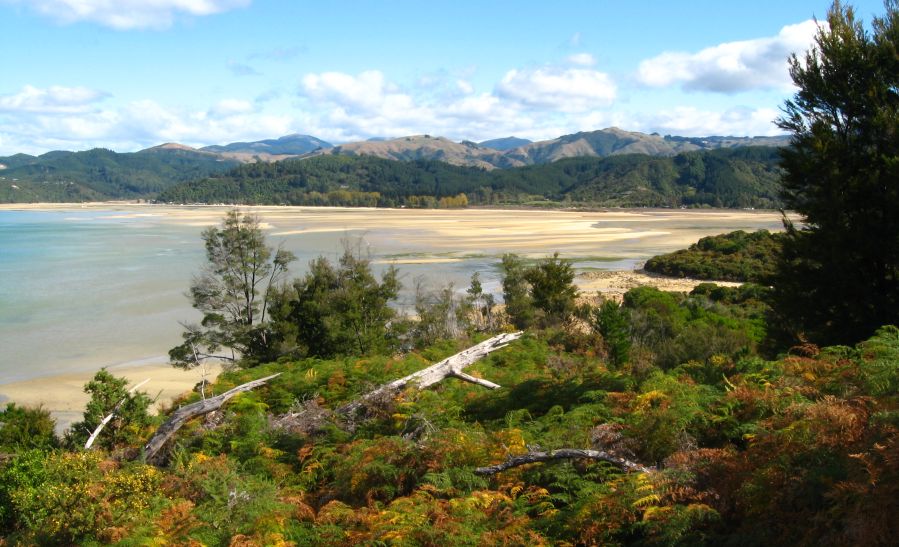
(541, 293)
(338, 310)
(737, 177)
(736, 256)
(552, 289)
(103, 174)
(516, 296)
(611, 320)
(23, 428)
(677, 329)
(108, 393)
(233, 294)
(839, 276)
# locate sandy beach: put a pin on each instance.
(456, 231)
(63, 395)
(601, 240)
(613, 285)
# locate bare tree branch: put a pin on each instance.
(451, 366)
(562, 454)
(185, 413)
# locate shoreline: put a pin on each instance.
(75, 205)
(63, 394)
(440, 236)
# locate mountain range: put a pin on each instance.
(103, 174)
(512, 152)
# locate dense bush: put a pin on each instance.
(736, 256)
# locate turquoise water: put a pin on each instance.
(79, 291)
(84, 289)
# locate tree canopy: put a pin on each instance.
(232, 292)
(839, 274)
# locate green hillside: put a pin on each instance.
(737, 177)
(102, 174)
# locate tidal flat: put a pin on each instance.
(103, 285)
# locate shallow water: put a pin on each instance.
(86, 288)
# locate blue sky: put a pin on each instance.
(128, 74)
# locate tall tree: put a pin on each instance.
(838, 277)
(552, 288)
(516, 295)
(339, 310)
(232, 292)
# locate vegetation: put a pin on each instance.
(731, 436)
(108, 396)
(744, 450)
(100, 174)
(338, 310)
(839, 277)
(737, 256)
(233, 293)
(738, 177)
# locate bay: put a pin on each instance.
(83, 287)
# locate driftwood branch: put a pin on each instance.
(185, 413)
(108, 418)
(312, 416)
(562, 454)
(450, 367)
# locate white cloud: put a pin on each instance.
(230, 107)
(52, 99)
(136, 125)
(581, 59)
(733, 66)
(128, 14)
(465, 86)
(688, 121)
(563, 90)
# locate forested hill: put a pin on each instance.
(732, 177)
(103, 174)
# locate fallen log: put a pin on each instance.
(562, 454)
(185, 413)
(451, 367)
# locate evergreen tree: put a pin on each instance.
(109, 393)
(342, 310)
(552, 288)
(517, 299)
(233, 293)
(611, 320)
(838, 277)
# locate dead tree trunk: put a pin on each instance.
(185, 413)
(450, 367)
(562, 454)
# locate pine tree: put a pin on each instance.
(838, 276)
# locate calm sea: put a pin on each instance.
(80, 290)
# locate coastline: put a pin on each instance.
(441, 236)
(63, 394)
